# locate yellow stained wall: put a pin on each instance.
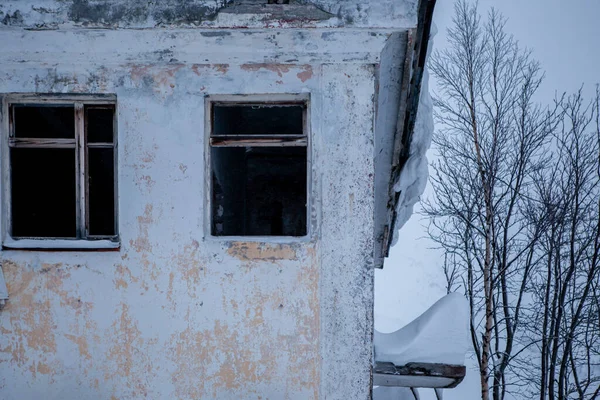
(174, 314)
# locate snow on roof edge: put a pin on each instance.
(413, 132)
(413, 178)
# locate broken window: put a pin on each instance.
(258, 153)
(62, 158)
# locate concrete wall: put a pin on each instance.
(174, 314)
(53, 14)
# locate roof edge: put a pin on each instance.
(416, 56)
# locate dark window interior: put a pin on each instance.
(47, 122)
(257, 120)
(44, 177)
(99, 123)
(101, 189)
(259, 190)
(43, 192)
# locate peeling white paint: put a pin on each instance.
(65, 14)
(172, 314)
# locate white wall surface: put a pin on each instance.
(174, 314)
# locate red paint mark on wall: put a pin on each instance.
(222, 68)
(279, 69)
(306, 74)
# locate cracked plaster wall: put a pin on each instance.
(54, 14)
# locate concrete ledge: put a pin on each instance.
(186, 46)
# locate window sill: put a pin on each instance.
(260, 239)
(60, 244)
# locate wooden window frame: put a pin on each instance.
(83, 240)
(211, 140)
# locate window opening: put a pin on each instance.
(258, 169)
(62, 170)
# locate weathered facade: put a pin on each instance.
(172, 312)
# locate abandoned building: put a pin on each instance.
(195, 194)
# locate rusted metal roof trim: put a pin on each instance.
(416, 55)
(418, 375)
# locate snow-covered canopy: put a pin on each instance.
(440, 335)
(429, 352)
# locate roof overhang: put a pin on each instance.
(413, 69)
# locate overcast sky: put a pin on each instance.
(563, 34)
(565, 39)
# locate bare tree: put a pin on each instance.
(516, 208)
(566, 297)
(490, 139)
